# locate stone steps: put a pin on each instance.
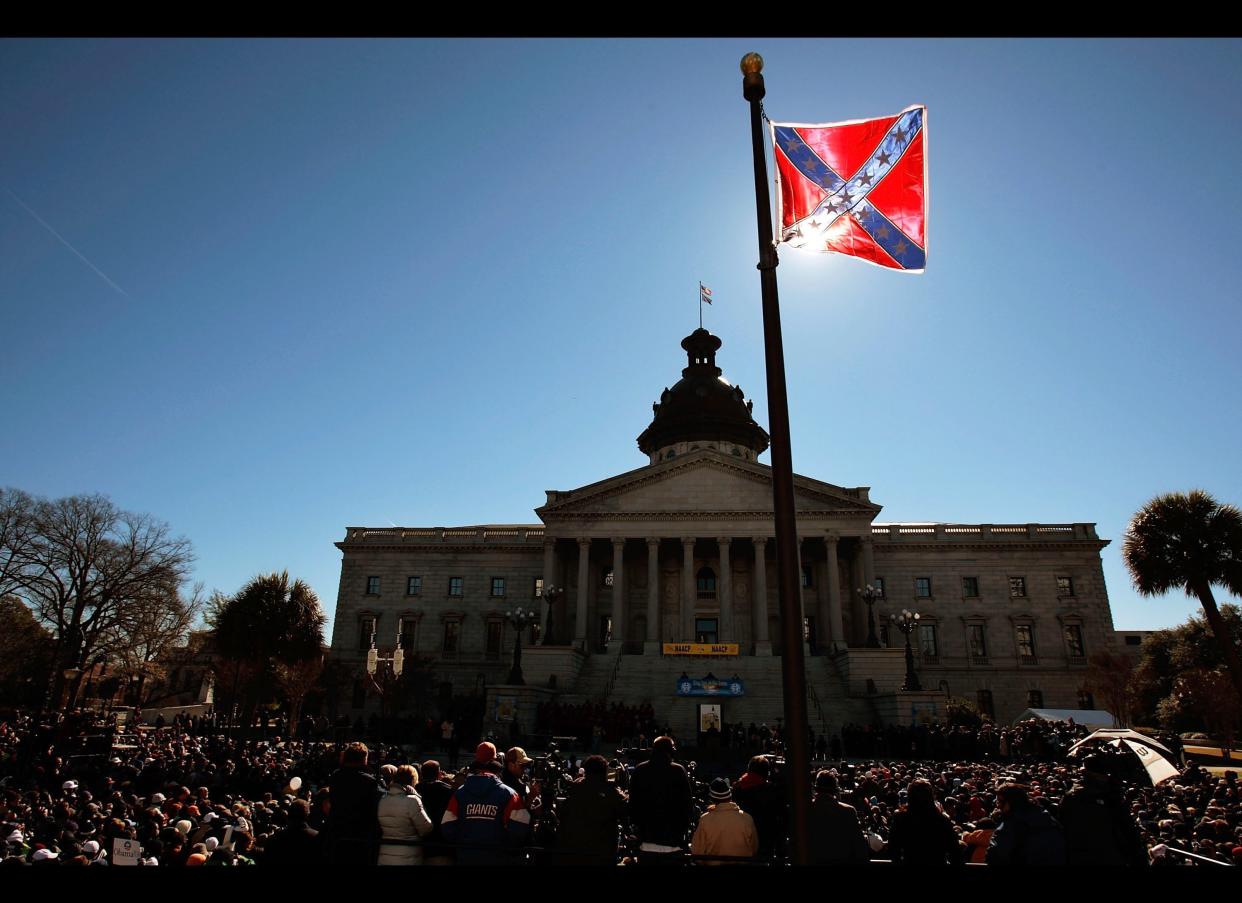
(649, 679)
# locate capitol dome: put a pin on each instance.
(702, 410)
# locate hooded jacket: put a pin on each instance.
(402, 817)
(724, 830)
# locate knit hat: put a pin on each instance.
(720, 791)
(485, 753)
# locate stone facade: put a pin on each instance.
(682, 549)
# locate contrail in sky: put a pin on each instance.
(42, 222)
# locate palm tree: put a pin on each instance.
(268, 623)
(1189, 541)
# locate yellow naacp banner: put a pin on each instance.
(701, 649)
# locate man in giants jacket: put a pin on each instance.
(485, 817)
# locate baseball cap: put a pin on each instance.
(518, 755)
(485, 753)
(69, 786)
(42, 854)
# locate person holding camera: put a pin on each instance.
(1099, 829)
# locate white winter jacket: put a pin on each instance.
(402, 817)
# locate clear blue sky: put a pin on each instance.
(337, 283)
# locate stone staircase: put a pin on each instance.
(635, 679)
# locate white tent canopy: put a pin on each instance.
(1088, 717)
(1121, 733)
(1156, 758)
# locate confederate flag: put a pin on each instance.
(857, 188)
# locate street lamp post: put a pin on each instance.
(520, 618)
(906, 622)
(869, 595)
(551, 595)
(385, 670)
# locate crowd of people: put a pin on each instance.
(592, 722)
(180, 795)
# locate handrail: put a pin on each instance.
(823, 722)
(612, 679)
(1196, 856)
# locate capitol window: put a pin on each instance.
(373, 586)
(1073, 641)
(454, 586)
(922, 587)
(409, 628)
(970, 587)
(978, 643)
(413, 586)
(498, 586)
(1065, 586)
(366, 630)
(1017, 587)
(1025, 637)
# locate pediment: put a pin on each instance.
(704, 481)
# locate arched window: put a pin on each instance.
(707, 583)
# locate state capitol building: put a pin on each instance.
(681, 551)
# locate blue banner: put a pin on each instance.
(710, 686)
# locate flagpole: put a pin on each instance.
(793, 665)
(700, 305)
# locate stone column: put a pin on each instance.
(823, 617)
(858, 609)
(725, 633)
(759, 597)
(835, 621)
(584, 579)
(868, 559)
(549, 580)
(652, 644)
(868, 569)
(806, 644)
(688, 594)
(618, 592)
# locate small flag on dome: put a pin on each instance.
(705, 293)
